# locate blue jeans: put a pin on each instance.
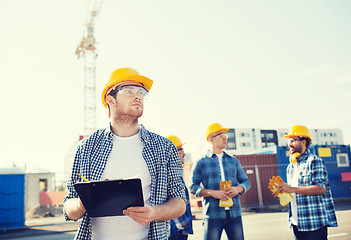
(178, 236)
(319, 234)
(214, 227)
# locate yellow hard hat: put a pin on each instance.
(215, 127)
(299, 131)
(124, 74)
(175, 140)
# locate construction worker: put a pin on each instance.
(311, 210)
(183, 225)
(124, 150)
(210, 171)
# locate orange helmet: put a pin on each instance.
(215, 127)
(299, 131)
(124, 74)
(175, 140)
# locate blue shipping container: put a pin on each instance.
(283, 161)
(12, 201)
(337, 161)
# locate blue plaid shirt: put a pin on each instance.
(161, 157)
(313, 211)
(207, 171)
(185, 222)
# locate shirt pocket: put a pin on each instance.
(232, 175)
(305, 177)
(210, 179)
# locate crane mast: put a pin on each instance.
(87, 50)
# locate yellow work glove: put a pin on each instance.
(229, 202)
(284, 198)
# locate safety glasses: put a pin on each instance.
(292, 140)
(224, 135)
(130, 90)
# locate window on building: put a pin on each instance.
(268, 144)
(43, 185)
(244, 134)
(230, 134)
(230, 145)
(245, 144)
(269, 136)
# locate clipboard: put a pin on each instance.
(110, 197)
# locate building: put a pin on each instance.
(37, 180)
(255, 140)
(319, 137)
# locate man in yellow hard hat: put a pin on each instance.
(182, 226)
(311, 210)
(125, 150)
(212, 170)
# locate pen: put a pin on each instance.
(83, 177)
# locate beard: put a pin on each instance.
(221, 145)
(129, 114)
(296, 149)
(135, 113)
(127, 110)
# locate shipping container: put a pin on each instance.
(337, 161)
(283, 154)
(11, 199)
(259, 168)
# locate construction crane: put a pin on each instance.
(87, 50)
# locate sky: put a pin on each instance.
(245, 64)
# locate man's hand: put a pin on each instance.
(284, 187)
(219, 194)
(74, 208)
(173, 208)
(233, 191)
(142, 215)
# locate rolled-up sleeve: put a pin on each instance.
(196, 179)
(243, 180)
(176, 187)
(71, 192)
(319, 173)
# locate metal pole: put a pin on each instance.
(259, 190)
